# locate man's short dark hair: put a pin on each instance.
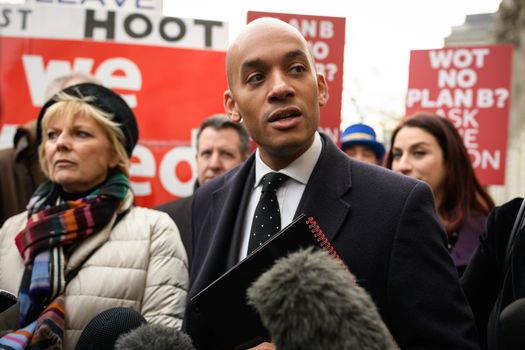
(221, 121)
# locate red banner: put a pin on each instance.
(470, 86)
(326, 38)
(171, 71)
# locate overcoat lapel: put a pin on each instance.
(326, 196)
(226, 211)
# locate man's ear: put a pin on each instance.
(231, 107)
(322, 87)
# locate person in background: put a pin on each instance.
(68, 80)
(383, 225)
(221, 146)
(21, 173)
(429, 148)
(82, 247)
(359, 142)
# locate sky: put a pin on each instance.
(379, 37)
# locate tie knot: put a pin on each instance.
(272, 181)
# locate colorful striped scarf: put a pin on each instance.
(51, 227)
(44, 333)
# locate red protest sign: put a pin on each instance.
(171, 72)
(326, 38)
(471, 87)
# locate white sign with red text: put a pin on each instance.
(126, 5)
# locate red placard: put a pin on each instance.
(471, 87)
(172, 85)
(326, 38)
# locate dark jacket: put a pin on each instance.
(468, 241)
(383, 225)
(484, 277)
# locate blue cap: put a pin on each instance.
(362, 134)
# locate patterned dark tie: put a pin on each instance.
(267, 218)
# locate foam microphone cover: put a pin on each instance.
(309, 301)
(154, 337)
(103, 330)
(511, 325)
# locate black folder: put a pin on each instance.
(223, 302)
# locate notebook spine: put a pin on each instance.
(323, 240)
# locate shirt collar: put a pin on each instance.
(299, 170)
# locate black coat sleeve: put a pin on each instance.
(427, 308)
(483, 277)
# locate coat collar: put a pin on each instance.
(325, 197)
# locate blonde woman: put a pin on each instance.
(82, 247)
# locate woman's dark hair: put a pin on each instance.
(462, 192)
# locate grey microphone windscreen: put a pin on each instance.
(309, 301)
(154, 337)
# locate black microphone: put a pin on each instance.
(154, 337)
(7, 299)
(511, 322)
(309, 301)
(103, 330)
